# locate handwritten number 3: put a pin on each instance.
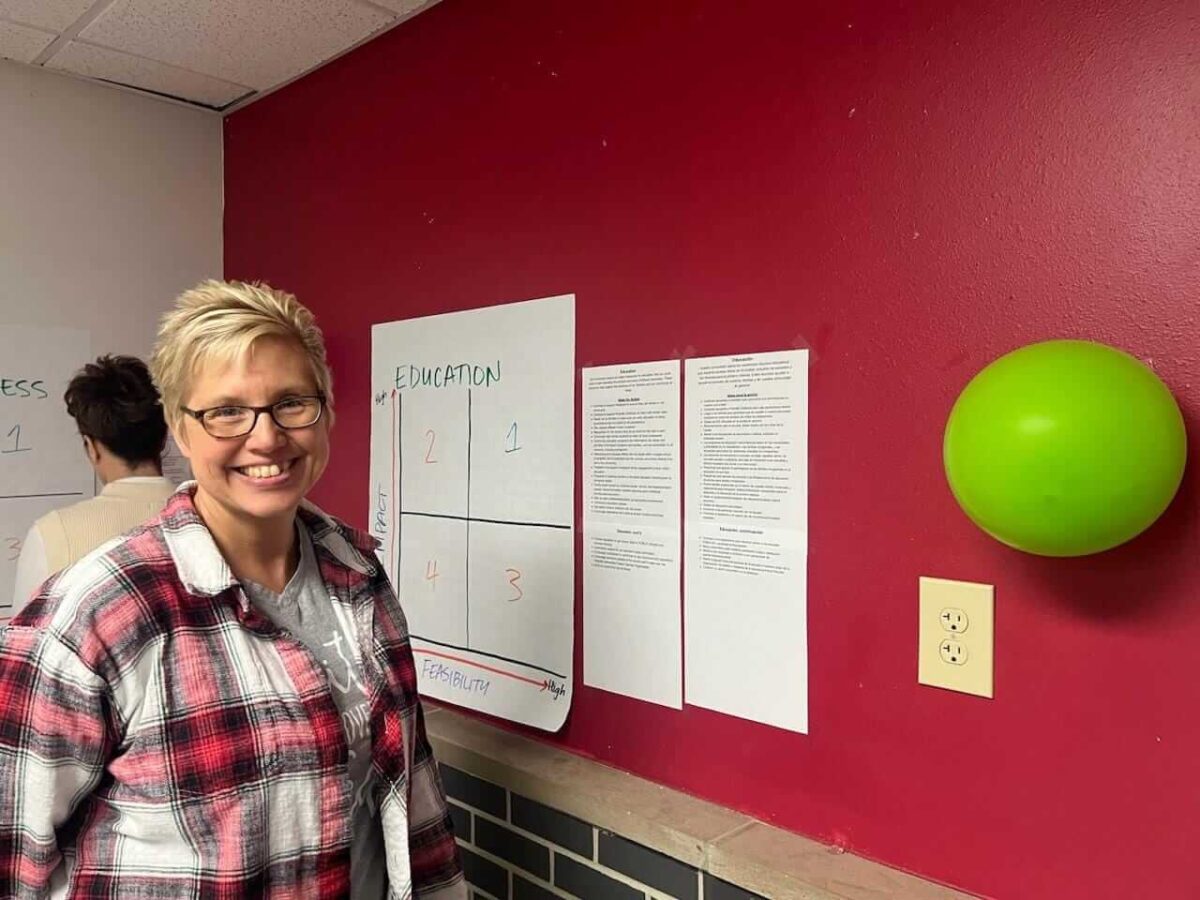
(514, 577)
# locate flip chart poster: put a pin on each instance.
(472, 499)
(42, 465)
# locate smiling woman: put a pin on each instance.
(252, 470)
(226, 698)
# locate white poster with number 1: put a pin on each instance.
(472, 498)
(42, 465)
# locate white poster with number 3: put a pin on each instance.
(42, 465)
(472, 498)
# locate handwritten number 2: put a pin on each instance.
(429, 451)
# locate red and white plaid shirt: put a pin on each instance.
(161, 738)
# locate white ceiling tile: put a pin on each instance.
(21, 43)
(53, 15)
(111, 65)
(259, 43)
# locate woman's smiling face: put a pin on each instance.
(265, 474)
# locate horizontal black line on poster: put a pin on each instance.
(39, 496)
(428, 515)
(519, 662)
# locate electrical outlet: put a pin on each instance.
(952, 652)
(955, 645)
(953, 620)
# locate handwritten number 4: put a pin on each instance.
(431, 573)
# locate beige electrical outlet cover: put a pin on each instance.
(975, 675)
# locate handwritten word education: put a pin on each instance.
(469, 374)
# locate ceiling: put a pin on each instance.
(215, 54)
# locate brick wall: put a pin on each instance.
(517, 849)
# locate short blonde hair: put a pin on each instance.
(220, 320)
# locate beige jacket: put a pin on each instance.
(63, 536)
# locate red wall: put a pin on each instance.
(908, 188)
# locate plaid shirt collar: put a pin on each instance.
(203, 569)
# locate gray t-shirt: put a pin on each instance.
(306, 610)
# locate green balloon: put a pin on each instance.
(1065, 448)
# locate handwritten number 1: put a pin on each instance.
(15, 434)
(510, 440)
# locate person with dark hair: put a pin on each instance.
(116, 407)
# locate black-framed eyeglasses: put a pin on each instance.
(289, 414)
